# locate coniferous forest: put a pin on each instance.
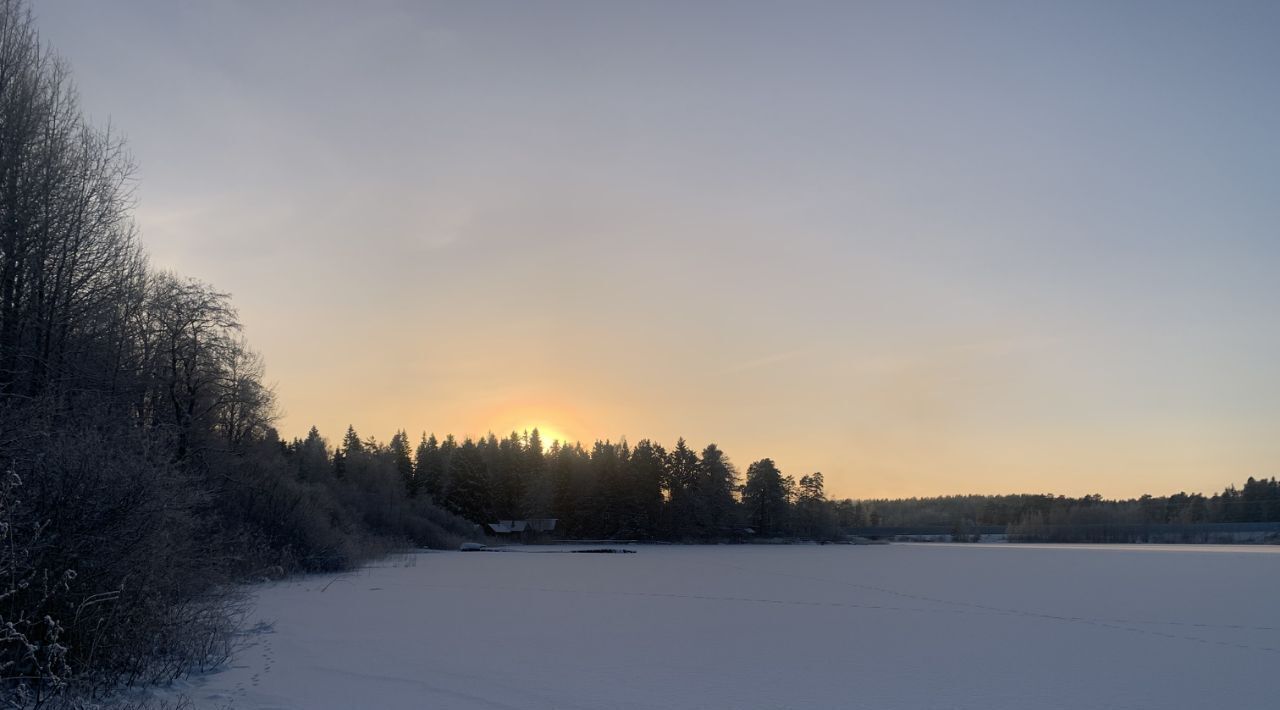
(619, 491)
(141, 478)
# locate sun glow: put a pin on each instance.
(553, 421)
(547, 433)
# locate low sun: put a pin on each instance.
(547, 433)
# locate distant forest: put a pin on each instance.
(141, 479)
(616, 490)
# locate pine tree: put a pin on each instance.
(816, 517)
(506, 476)
(428, 468)
(680, 484)
(537, 501)
(351, 443)
(646, 468)
(399, 450)
(469, 490)
(765, 498)
(567, 470)
(348, 459)
(448, 448)
(606, 505)
(717, 483)
(312, 456)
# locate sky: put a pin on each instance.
(922, 247)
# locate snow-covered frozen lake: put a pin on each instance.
(886, 627)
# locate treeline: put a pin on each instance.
(1090, 518)
(140, 478)
(613, 490)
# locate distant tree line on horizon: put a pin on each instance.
(1090, 518)
(615, 490)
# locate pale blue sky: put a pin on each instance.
(921, 247)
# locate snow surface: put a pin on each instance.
(886, 627)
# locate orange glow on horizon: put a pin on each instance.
(548, 434)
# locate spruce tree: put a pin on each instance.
(537, 501)
(351, 443)
(313, 457)
(428, 468)
(717, 482)
(469, 490)
(646, 468)
(399, 450)
(765, 498)
(680, 483)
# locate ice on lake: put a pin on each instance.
(898, 626)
